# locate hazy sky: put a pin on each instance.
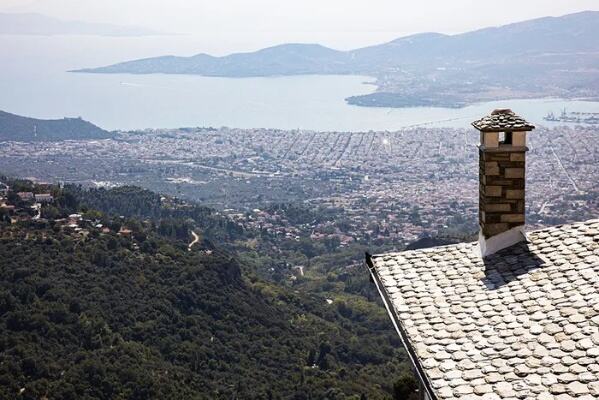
(340, 23)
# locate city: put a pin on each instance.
(232, 200)
(371, 187)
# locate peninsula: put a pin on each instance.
(544, 57)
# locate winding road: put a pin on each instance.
(196, 238)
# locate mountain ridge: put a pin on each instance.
(543, 57)
(590, 18)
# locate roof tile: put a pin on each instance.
(502, 120)
(522, 323)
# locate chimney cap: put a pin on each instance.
(502, 120)
(504, 111)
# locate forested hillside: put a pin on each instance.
(98, 306)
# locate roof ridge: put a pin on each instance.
(474, 243)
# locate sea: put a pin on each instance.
(35, 81)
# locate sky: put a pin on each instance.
(343, 24)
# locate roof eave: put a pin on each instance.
(526, 128)
(399, 329)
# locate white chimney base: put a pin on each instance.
(500, 241)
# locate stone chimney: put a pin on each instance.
(502, 159)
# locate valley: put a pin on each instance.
(261, 224)
(370, 187)
(340, 201)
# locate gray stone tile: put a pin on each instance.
(521, 324)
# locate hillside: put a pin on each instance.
(23, 129)
(91, 310)
(552, 56)
(287, 59)
(543, 37)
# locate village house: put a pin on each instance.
(512, 316)
(7, 208)
(44, 198)
(124, 231)
(26, 196)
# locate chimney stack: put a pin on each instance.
(502, 160)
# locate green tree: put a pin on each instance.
(404, 387)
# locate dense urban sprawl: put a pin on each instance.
(381, 187)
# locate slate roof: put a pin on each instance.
(520, 324)
(502, 120)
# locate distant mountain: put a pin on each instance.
(569, 34)
(17, 128)
(551, 56)
(286, 59)
(38, 24)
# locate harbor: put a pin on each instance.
(574, 117)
